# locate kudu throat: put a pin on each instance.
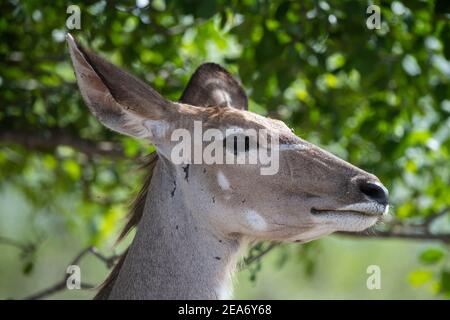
(175, 254)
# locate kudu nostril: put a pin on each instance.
(375, 191)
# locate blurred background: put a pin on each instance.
(379, 98)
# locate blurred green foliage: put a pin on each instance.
(377, 98)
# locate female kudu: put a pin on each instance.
(194, 219)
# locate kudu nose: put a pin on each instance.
(375, 191)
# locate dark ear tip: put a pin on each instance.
(212, 67)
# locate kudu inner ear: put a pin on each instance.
(119, 100)
(212, 85)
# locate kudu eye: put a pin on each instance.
(232, 143)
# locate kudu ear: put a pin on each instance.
(119, 100)
(212, 85)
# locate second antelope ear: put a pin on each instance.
(212, 85)
(118, 100)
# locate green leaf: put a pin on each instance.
(72, 168)
(335, 61)
(432, 255)
(445, 282)
(420, 277)
(28, 267)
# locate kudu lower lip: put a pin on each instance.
(369, 209)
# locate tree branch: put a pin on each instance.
(444, 237)
(249, 260)
(431, 218)
(407, 234)
(56, 138)
(62, 284)
(13, 243)
(108, 261)
(421, 232)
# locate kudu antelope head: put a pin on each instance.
(314, 193)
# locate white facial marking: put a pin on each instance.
(133, 123)
(255, 220)
(366, 207)
(344, 221)
(156, 128)
(223, 181)
(224, 292)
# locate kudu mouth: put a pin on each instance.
(369, 213)
(376, 205)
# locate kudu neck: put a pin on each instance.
(175, 254)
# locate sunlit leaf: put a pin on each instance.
(420, 277)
